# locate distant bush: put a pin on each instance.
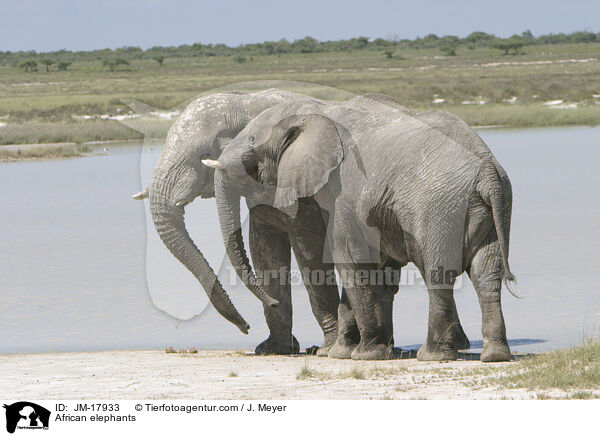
(62, 66)
(28, 66)
(160, 59)
(47, 63)
(514, 44)
(239, 59)
(114, 63)
(479, 38)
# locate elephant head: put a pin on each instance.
(286, 153)
(201, 132)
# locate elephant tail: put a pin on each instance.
(493, 194)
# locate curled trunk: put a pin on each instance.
(228, 205)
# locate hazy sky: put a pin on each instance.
(44, 25)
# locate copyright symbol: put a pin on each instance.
(138, 407)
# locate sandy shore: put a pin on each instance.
(154, 374)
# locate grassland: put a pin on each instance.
(40, 107)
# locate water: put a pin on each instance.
(74, 274)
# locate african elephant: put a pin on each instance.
(397, 189)
(201, 132)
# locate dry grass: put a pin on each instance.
(575, 371)
(357, 372)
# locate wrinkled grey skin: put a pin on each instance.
(201, 132)
(398, 189)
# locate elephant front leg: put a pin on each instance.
(271, 254)
(320, 282)
(354, 260)
(308, 234)
(376, 342)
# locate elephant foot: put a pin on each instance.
(341, 351)
(462, 342)
(428, 353)
(373, 352)
(273, 346)
(496, 351)
(328, 343)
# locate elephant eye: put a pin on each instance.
(252, 140)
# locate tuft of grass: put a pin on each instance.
(233, 374)
(357, 373)
(306, 372)
(583, 395)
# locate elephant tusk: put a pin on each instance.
(213, 164)
(182, 203)
(141, 195)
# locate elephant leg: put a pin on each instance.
(441, 335)
(348, 334)
(375, 340)
(323, 295)
(388, 290)
(386, 302)
(354, 260)
(462, 341)
(486, 272)
(441, 341)
(308, 232)
(270, 250)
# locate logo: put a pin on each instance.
(26, 415)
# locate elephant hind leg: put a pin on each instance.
(348, 334)
(440, 273)
(486, 272)
(462, 341)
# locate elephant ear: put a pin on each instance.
(309, 150)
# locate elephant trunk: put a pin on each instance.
(228, 205)
(169, 222)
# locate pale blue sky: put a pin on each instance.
(44, 25)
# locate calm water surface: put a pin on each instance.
(80, 269)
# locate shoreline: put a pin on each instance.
(240, 374)
(54, 150)
(15, 147)
(235, 375)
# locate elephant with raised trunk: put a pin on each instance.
(397, 189)
(201, 132)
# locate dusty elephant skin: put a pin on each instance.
(201, 132)
(397, 189)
